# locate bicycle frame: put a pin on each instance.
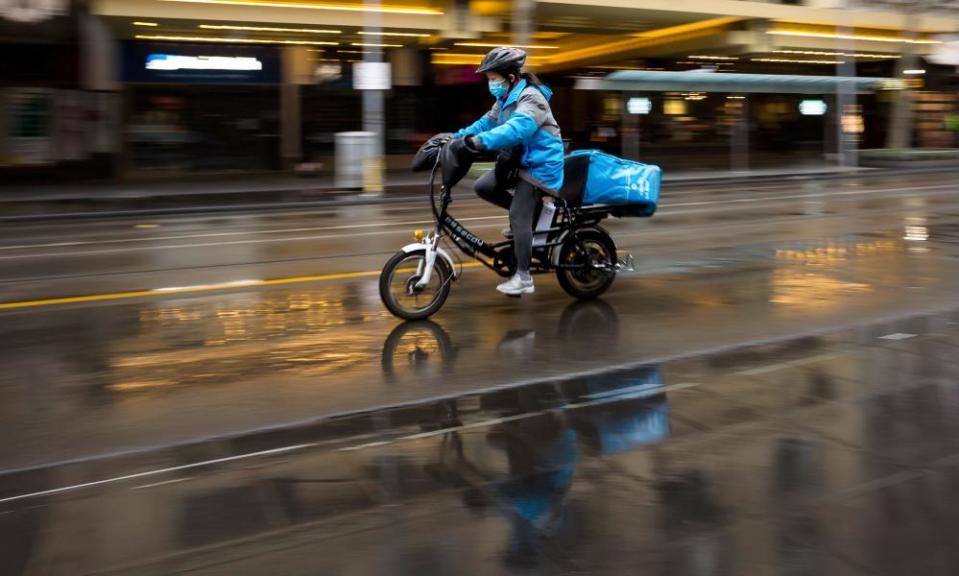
(491, 255)
(498, 256)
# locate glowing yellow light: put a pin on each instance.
(145, 24)
(372, 45)
(418, 234)
(417, 10)
(232, 40)
(455, 62)
(404, 34)
(493, 45)
(267, 29)
(674, 107)
(460, 58)
(796, 61)
(488, 7)
(864, 38)
(642, 39)
(704, 57)
(817, 53)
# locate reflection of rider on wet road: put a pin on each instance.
(542, 454)
(539, 438)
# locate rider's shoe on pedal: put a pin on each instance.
(507, 232)
(518, 285)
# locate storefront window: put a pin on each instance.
(182, 129)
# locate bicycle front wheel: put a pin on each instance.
(398, 285)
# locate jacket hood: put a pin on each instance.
(546, 91)
(514, 94)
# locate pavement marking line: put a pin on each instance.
(666, 206)
(467, 198)
(363, 446)
(148, 473)
(809, 195)
(163, 483)
(613, 396)
(291, 230)
(767, 368)
(245, 232)
(375, 225)
(196, 289)
(216, 244)
(897, 336)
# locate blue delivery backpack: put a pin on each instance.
(618, 182)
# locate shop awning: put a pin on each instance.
(656, 81)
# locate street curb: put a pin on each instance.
(340, 198)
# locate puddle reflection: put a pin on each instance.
(517, 451)
(417, 351)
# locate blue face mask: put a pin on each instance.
(498, 89)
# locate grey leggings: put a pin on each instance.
(522, 206)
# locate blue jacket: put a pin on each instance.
(524, 117)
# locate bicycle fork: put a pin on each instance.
(424, 270)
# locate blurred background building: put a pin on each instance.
(146, 89)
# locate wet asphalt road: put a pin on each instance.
(834, 454)
(716, 268)
(207, 413)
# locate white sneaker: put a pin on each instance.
(517, 285)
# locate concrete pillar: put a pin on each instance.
(297, 64)
(290, 151)
(831, 124)
(901, 119)
(846, 100)
(4, 127)
(739, 139)
(374, 105)
(100, 77)
(99, 55)
(407, 67)
(630, 130)
(522, 21)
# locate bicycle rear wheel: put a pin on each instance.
(588, 262)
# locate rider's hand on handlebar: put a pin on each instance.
(463, 150)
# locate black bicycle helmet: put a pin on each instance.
(501, 59)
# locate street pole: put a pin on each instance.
(846, 143)
(630, 128)
(522, 22)
(373, 102)
(900, 121)
(739, 138)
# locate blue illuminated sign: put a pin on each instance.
(200, 64)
